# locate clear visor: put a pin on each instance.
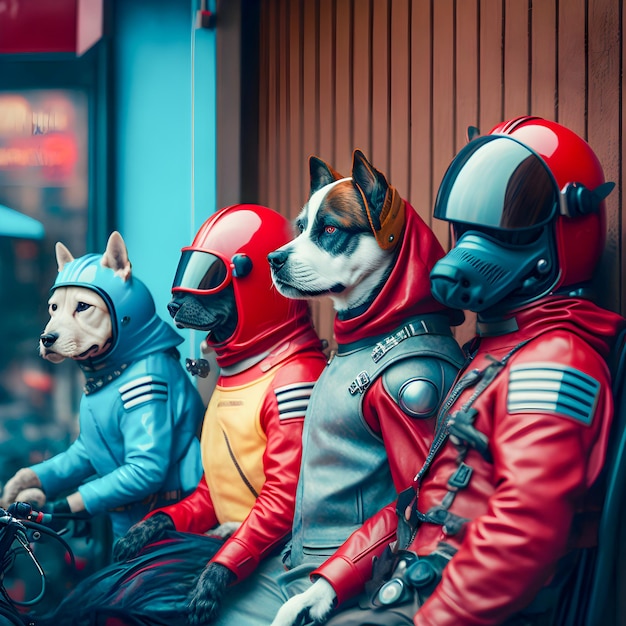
(200, 272)
(497, 182)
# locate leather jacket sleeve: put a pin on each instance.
(351, 566)
(193, 514)
(269, 522)
(543, 465)
(66, 468)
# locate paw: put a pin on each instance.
(23, 479)
(225, 530)
(204, 600)
(140, 535)
(314, 604)
(33, 495)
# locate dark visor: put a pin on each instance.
(499, 183)
(200, 272)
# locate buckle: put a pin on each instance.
(360, 383)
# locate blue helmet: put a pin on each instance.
(137, 329)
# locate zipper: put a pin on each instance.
(470, 379)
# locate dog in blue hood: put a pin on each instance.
(140, 413)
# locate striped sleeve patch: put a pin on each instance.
(552, 388)
(293, 399)
(142, 390)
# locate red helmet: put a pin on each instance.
(231, 247)
(580, 219)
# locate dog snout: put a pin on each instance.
(48, 339)
(277, 259)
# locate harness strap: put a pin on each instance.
(459, 426)
(424, 325)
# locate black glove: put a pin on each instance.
(205, 599)
(140, 535)
(61, 514)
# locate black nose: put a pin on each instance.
(48, 339)
(277, 258)
(173, 307)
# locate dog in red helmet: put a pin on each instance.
(175, 565)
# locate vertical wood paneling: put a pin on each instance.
(380, 85)
(402, 80)
(295, 89)
(272, 120)
(344, 107)
(443, 97)
(466, 60)
(572, 64)
(420, 192)
(490, 60)
(603, 126)
(326, 81)
(265, 146)
(281, 202)
(400, 90)
(543, 60)
(362, 77)
(310, 110)
(516, 35)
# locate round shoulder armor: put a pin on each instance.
(417, 385)
(418, 398)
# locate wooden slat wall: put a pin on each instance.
(402, 80)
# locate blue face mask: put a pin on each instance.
(483, 273)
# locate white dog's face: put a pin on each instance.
(335, 254)
(79, 326)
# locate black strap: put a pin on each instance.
(410, 517)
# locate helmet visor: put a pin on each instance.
(498, 183)
(201, 273)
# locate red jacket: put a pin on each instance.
(521, 504)
(268, 524)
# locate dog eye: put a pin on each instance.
(329, 230)
(300, 227)
(82, 306)
(53, 307)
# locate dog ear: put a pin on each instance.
(371, 182)
(321, 173)
(383, 205)
(63, 255)
(116, 256)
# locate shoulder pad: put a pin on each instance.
(418, 384)
(552, 388)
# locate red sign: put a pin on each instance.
(42, 26)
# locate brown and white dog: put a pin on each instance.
(335, 254)
(361, 245)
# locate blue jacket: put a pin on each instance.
(139, 416)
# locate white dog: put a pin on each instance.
(104, 319)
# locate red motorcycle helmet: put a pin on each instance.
(231, 247)
(580, 221)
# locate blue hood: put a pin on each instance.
(137, 329)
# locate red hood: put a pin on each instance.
(593, 324)
(298, 324)
(406, 293)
